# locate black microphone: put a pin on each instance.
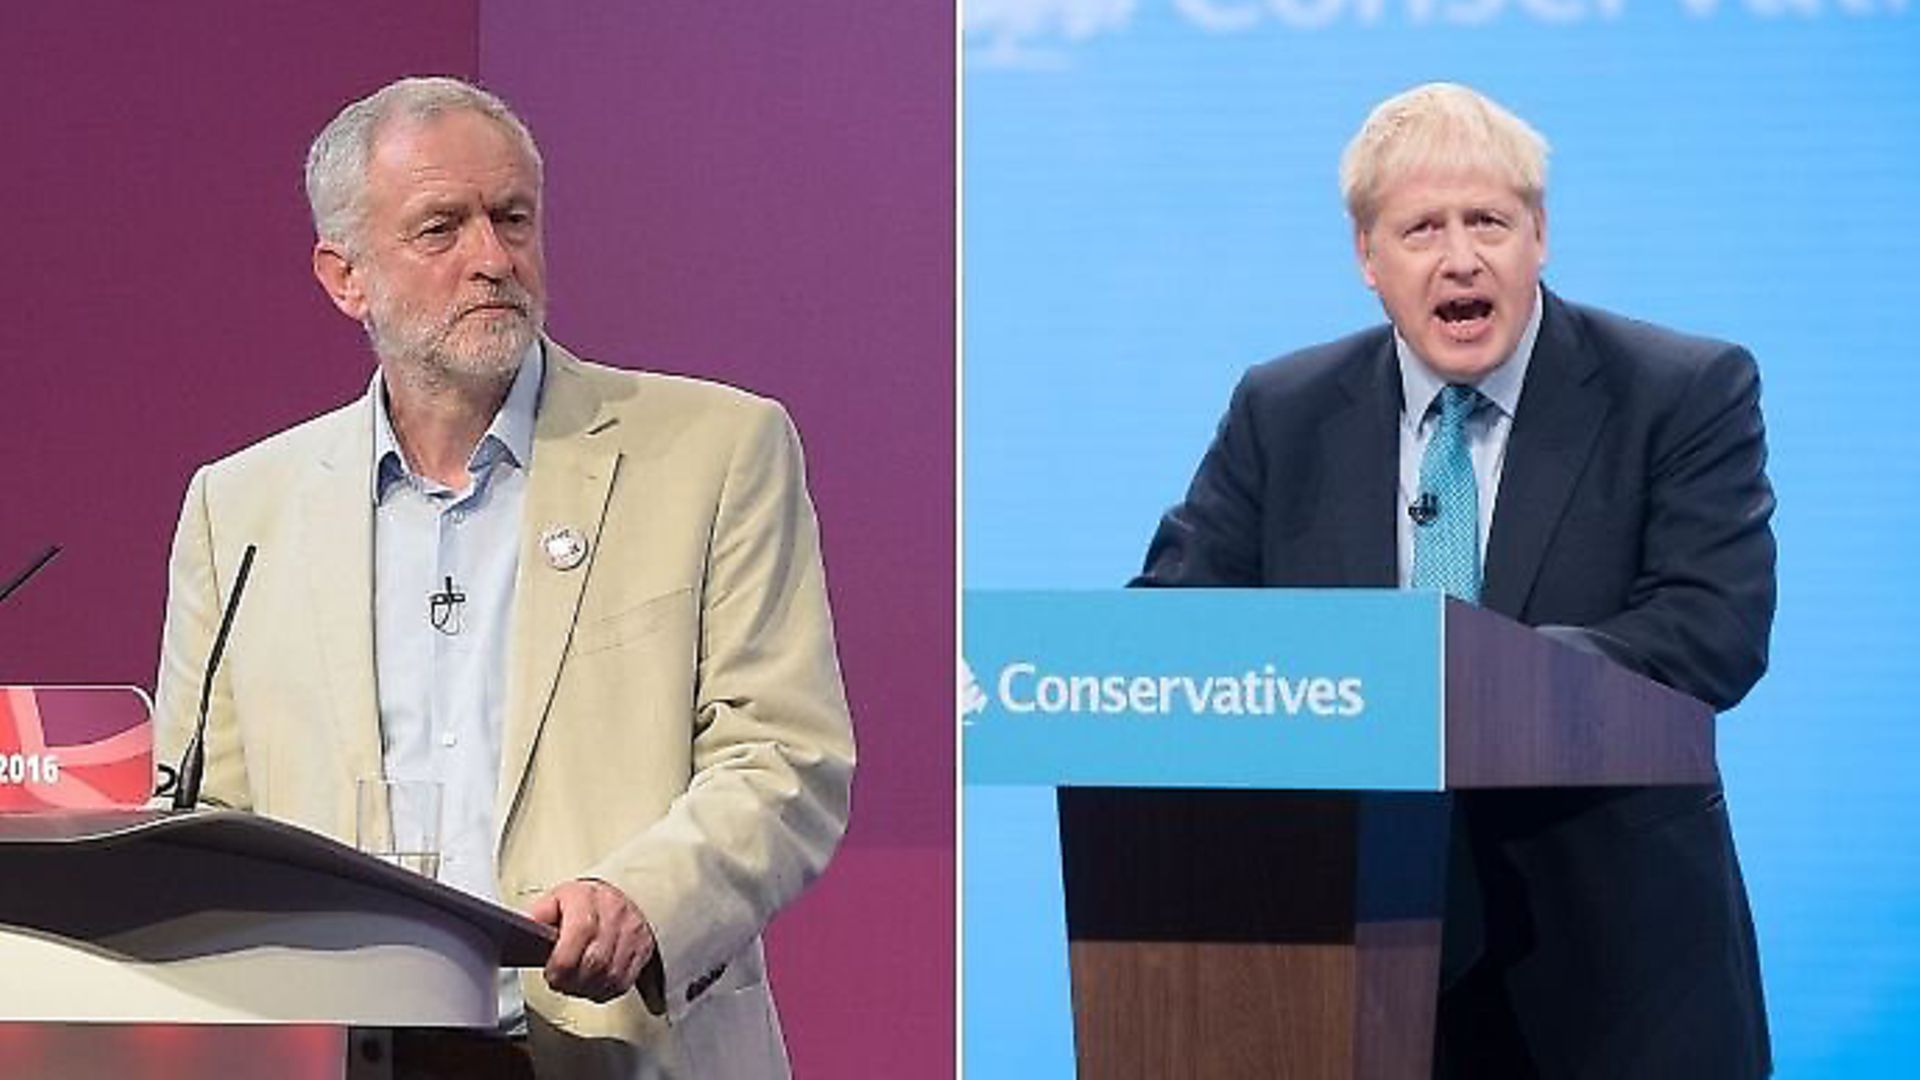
(194, 761)
(443, 608)
(1425, 509)
(26, 575)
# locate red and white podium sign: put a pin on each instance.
(74, 748)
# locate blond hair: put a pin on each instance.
(1443, 128)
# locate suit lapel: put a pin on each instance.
(1559, 416)
(336, 548)
(569, 480)
(1362, 449)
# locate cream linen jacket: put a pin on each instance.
(675, 721)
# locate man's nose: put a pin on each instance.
(1460, 259)
(487, 256)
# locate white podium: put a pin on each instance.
(235, 921)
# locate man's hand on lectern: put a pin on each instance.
(604, 942)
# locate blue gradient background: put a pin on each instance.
(1151, 206)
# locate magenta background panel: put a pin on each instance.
(160, 309)
(756, 193)
(764, 194)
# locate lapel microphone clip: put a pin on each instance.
(1425, 509)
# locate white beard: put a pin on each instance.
(455, 344)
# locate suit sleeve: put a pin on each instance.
(1701, 608)
(773, 747)
(1212, 538)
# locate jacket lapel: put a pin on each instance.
(1560, 414)
(1360, 486)
(569, 481)
(336, 548)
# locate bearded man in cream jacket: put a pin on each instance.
(588, 602)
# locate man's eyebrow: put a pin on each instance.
(432, 206)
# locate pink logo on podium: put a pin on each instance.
(74, 747)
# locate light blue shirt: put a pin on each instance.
(441, 669)
(1487, 429)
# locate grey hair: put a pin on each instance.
(337, 160)
(1441, 127)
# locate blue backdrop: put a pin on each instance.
(1151, 206)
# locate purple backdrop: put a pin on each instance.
(761, 195)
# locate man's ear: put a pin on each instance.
(1540, 231)
(338, 275)
(1363, 251)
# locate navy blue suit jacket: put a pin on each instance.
(1606, 930)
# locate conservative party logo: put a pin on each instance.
(973, 700)
(1325, 689)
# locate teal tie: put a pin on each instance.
(1446, 548)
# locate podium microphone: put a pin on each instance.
(194, 761)
(26, 575)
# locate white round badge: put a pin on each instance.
(564, 546)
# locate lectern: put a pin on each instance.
(224, 918)
(1252, 808)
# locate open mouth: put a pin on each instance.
(1464, 318)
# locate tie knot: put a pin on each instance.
(1457, 402)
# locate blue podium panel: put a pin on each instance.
(1336, 689)
(1318, 689)
(1017, 995)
